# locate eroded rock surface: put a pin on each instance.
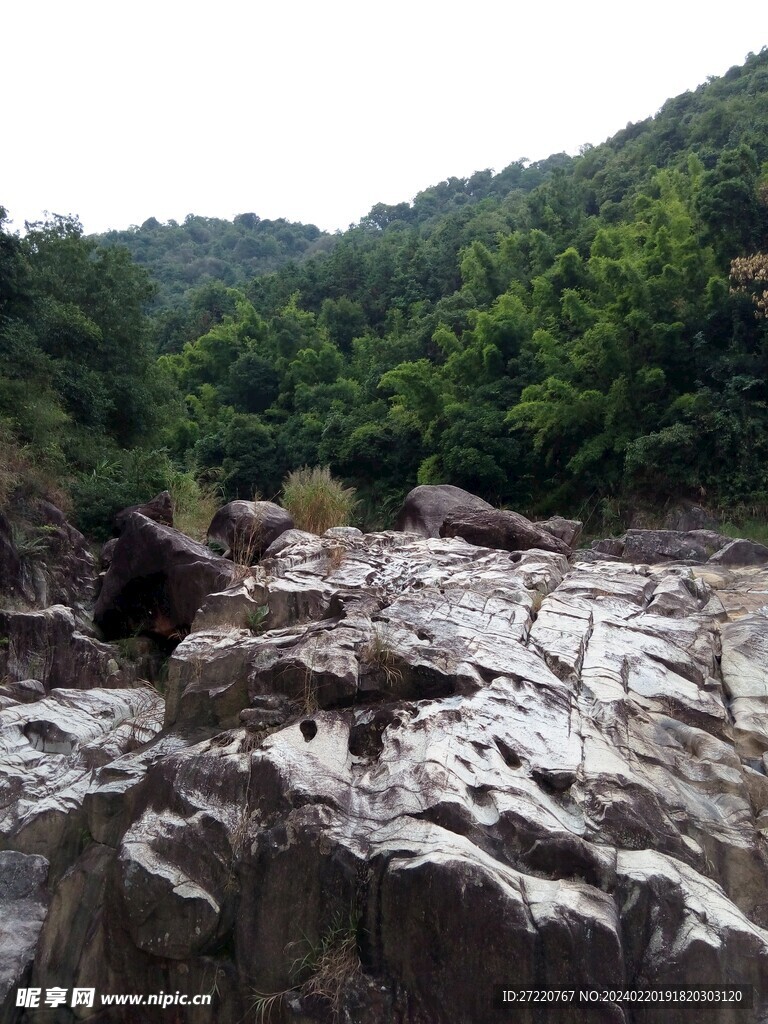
(421, 768)
(49, 749)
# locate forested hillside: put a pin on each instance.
(569, 335)
(546, 337)
(202, 249)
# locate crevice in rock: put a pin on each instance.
(511, 760)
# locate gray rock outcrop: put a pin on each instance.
(500, 528)
(426, 506)
(396, 771)
(24, 900)
(44, 560)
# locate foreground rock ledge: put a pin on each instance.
(447, 767)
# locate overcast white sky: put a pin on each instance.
(315, 110)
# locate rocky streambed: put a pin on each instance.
(387, 773)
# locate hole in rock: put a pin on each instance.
(516, 556)
(308, 729)
(511, 760)
(365, 736)
(49, 738)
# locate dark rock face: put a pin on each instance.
(687, 517)
(53, 566)
(157, 580)
(653, 546)
(247, 528)
(159, 509)
(425, 508)
(741, 552)
(497, 528)
(438, 766)
(23, 904)
(48, 646)
(11, 578)
(107, 552)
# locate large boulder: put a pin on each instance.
(159, 509)
(425, 508)
(247, 528)
(500, 528)
(741, 552)
(567, 530)
(687, 516)
(157, 580)
(670, 545)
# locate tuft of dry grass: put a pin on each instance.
(334, 557)
(380, 653)
(324, 972)
(245, 549)
(146, 722)
(316, 500)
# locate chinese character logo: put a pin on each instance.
(55, 997)
(28, 997)
(82, 996)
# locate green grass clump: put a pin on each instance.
(316, 500)
(749, 529)
(194, 504)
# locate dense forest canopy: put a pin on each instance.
(203, 249)
(557, 336)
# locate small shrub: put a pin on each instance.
(316, 500)
(255, 619)
(31, 543)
